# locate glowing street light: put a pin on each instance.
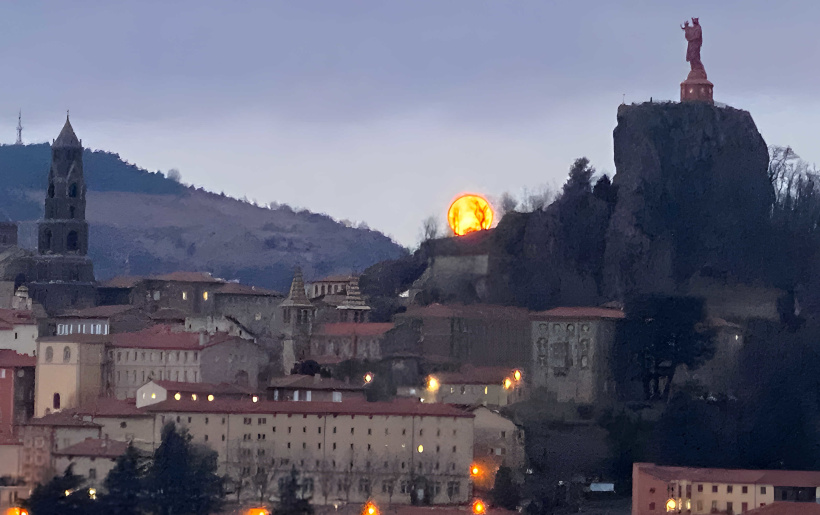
(421, 448)
(517, 375)
(368, 378)
(370, 508)
(432, 384)
(507, 383)
(255, 398)
(178, 396)
(92, 493)
(258, 511)
(479, 508)
(193, 396)
(210, 398)
(671, 505)
(474, 470)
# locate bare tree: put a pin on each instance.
(506, 204)
(430, 228)
(174, 175)
(537, 199)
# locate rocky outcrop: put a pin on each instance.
(693, 197)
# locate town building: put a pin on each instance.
(298, 315)
(62, 275)
(480, 386)
(99, 320)
(332, 285)
(18, 330)
(70, 371)
(153, 392)
(93, 459)
(346, 452)
(333, 343)
(43, 436)
(572, 349)
(16, 392)
(476, 334)
(497, 442)
(658, 488)
(297, 387)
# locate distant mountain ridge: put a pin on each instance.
(144, 223)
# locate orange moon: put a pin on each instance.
(469, 213)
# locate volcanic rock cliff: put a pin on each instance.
(693, 198)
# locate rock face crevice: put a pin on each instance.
(694, 197)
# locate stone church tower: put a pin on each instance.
(63, 273)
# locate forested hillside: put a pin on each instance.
(144, 223)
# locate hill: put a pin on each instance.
(144, 223)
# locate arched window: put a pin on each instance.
(72, 190)
(47, 239)
(71, 241)
(56, 401)
(51, 190)
(72, 212)
(49, 354)
(66, 354)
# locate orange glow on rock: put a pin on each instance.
(469, 213)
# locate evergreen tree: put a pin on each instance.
(182, 478)
(291, 502)
(62, 496)
(505, 492)
(124, 485)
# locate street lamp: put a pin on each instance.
(479, 508)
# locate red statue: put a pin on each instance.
(694, 36)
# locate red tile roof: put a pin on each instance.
(333, 279)
(187, 277)
(61, 419)
(406, 509)
(737, 476)
(475, 375)
(579, 312)
(487, 311)
(122, 281)
(165, 314)
(95, 448)
(109, 407)
(353, 329)
(78, 338)
(788, 508)
(17, 316)
(205, 388)
(303, 382)
(242, 289)
(157, 337)
(97, 311)
(398, 407)
(11, 359)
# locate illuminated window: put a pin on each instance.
(185, 295)
(204, 295)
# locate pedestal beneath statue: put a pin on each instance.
(696, 88)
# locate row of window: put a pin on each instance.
(544, 327)
(49, 357)
(159, 374)
(156, 295)
(178, 356)
(263, 421)
(64, 329)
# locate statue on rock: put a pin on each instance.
(696, 87)
(694, 35)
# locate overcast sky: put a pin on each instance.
(383, 111)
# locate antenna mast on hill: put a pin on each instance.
(19, 128)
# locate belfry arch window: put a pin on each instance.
(47, 239)
(72, 212)
(71, 241)
(72, 190)
(51, 190)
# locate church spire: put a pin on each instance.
(297, 295)
(67, 138)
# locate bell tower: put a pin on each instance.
(64, 229)
(63, 273)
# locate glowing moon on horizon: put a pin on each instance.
(469, 213)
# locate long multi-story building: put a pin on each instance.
(350, 451)
(660, 489)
